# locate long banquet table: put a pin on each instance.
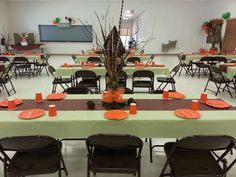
(29, 57)
(195, 57)
(84, 58)
(156, 123)
(69, 71)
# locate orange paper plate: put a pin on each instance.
(88, 66)
(176, 95)
(56, 96)
(160, 65)
(31, 114)
(229, 64)
(187, 114)
(116, 115)
(218, 104)
(68, 65)
(4, 103)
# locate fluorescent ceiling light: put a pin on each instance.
(128, 11)
(128, 15)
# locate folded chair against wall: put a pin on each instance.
(220, 81)
(114, 154)
(164, 81)
(5, 78)
(195, 156)
(33, 155)
(143, 79)
(89, 79)
(63, 82)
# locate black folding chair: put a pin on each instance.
(63, 82)
(133, 60)
(196, 156)
(4, 60)
(5, 78)
(89, 79)
(151, 58)
(202, 66)
(187, 66)
(33, 155)
(94, 60)
(143, 79)
(42, 65)
(74, 59)
(128, 91)
(122, 79)
(216, 60)
(168, 80)
(22, 66)
(216, 76)
(114, 154)
(77, 90)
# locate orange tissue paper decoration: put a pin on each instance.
(113, 99)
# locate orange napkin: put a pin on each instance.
(159, 65)
(229, 64)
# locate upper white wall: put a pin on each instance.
(173, 20)
(218, 7)
(3, 17)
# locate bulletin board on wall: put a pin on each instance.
(229, 41)
(74, 33)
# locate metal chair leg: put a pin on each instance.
(150, 149)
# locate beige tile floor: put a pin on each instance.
(75, 152)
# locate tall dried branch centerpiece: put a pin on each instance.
(114, 56)
(112, 50)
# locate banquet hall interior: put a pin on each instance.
(178, 58)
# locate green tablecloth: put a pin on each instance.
(29, 57)
(231, 72)
(198, 57)
(158, 124)
(84, 58)
(69, 71)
